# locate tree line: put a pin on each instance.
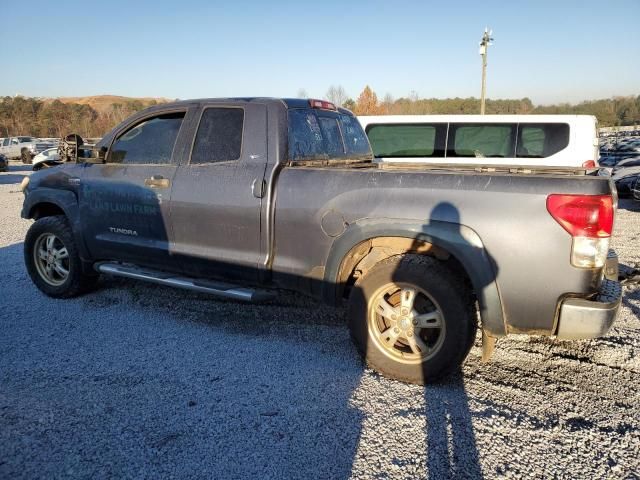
(609, 112)
(54, 118)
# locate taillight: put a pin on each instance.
(589, 164)
(323, 104)
(583, 215)
(589, 220)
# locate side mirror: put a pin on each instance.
(93, 155)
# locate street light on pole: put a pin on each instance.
(484, 47)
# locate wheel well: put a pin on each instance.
(42, 210)
(362, 257)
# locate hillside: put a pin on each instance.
(103, 102)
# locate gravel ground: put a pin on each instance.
(143, 381)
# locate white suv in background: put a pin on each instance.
(519, 140)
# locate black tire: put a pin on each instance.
(76, 281)
(25, 156)
(441, 290)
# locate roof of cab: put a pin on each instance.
(286, 102)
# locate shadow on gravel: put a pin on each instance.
(451, 443)
(452, 451)
(631, 299)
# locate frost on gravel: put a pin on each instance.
(140, 381)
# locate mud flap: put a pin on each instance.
(488, 346)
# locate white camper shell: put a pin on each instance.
(521, 140)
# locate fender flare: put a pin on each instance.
(67, 201)
(460, 241)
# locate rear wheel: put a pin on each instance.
(52, 259)
(412, 318)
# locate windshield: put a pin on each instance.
(326, 135)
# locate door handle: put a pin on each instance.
(258, 187)
(157, 181)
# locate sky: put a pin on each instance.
(549, 51)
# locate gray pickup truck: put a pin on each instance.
(242, 197)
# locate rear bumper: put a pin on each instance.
(582, 318)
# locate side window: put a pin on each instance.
(149, 142)
(6, 142)
(355, 140)
(14, 141)
(219, 137)
(541, 140)
(398, 140)
(481, 140)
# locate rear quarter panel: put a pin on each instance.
(529, 251)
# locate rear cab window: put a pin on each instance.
(326, 135)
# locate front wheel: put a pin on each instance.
(412, 318)
(52, 259)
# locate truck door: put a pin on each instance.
(14, 148)
(124, 203)
(217, 193)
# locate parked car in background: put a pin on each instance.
(48, 158)
(608, 161)
(629, 149)
(23, 147)
(626, 163)
(635, 190)
(625, 180)
(4, 163)
(548, 140)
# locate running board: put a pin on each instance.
(219, 289)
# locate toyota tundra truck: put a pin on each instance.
(241, 198)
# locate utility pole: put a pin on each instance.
(484, 47)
